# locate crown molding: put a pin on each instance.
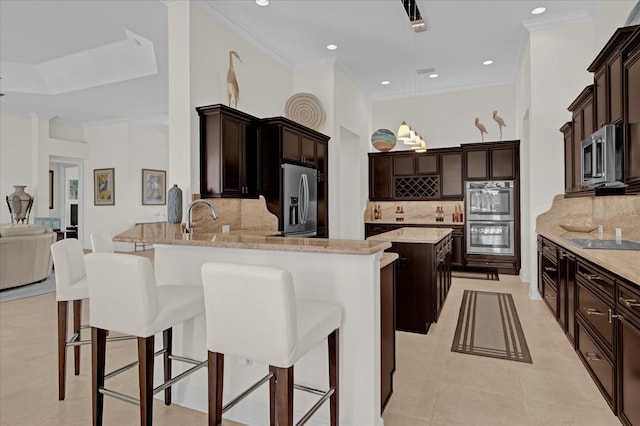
(568, 18)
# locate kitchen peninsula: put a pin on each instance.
(346, 272)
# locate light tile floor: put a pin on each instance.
(433, 386)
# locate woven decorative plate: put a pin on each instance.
(305, 109)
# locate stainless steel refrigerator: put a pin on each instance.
(299, 201)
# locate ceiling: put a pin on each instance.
(91, 61)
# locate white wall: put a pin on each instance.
(15, 158)
(447, 119)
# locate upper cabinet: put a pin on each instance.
(608, 86)
(228, 153)
(612, 99)
(491, 160)
(296, 143)
(406, 175)
(631, 98)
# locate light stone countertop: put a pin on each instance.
(388, 258)
(413, 235)
(167, 233)
(625, 263)
(414, 222)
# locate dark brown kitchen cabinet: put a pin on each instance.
(567, 282)
(228, 153)
(423, 278)
(631, 96)
(608, 79)
(380, 177)
(491, 160)
(628, 361)
(570, 160)
(582, 126)
(411, 164)
(451, 174)
(285, 141)
(387, 332)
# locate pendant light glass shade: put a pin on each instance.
(422, 147)
(404, 132)
(413, 138)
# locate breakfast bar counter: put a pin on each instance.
(344, 272)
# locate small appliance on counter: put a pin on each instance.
(299, 201)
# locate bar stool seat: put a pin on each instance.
(251, 312)
(124, 297)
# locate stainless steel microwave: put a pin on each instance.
(603, 157)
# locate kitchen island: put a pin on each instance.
(423, 274)
(345, 272)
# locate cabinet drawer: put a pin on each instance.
(371, 230)
(629, 299)
(595, 312)
(597, 362)
(596, 278)
(491, 263)
(550, 296)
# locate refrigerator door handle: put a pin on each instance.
(305, 198)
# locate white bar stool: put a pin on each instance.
(124, 297)
(251, 312)
(101, 242)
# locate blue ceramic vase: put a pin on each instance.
(174, 205)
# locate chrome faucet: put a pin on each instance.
(214, 215)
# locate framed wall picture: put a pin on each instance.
(73, 189)
(104, 193)
(50, 189)
(154, 187)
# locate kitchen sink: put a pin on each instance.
(604, 244)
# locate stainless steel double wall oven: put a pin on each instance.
(490, 210)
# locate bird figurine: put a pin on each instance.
(481, 127)
(500, 122)
(233, 91)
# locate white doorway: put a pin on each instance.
(68, 200)
(350, 210)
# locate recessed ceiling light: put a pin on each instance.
(434, 75)
(385, 82)
(262, 2)
(538, 10)
(487, 62)
(332, 46)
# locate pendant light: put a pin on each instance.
(404, 132)
(413, 138)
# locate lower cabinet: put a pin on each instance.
(387, 333)
(600, 313)
(423, 278)
(628, 360)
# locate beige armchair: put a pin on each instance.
(25, 254)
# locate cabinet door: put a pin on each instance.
(323, 207)
(387, 333)
(290, 145)
(568, 157)
(632, 114)
(404, 165)
(588, 119)
(307, 150)
(380, 178)
(600, 92)
(232, 156)
(452, 175)
(457, 255)
(427, 163)
(503, 163)
(615, 90)
(577, 150)
(629, 370)
(322, 158)
(476, 162)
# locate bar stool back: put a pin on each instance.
(71, 286)
(124, 297)
(101, 242)
(251, 312)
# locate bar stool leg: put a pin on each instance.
(98, 348)
(283, 404)
(167, 337)
(77, 314)
(62, 348)
(215, 366)
(145, 379)
(333, 377)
